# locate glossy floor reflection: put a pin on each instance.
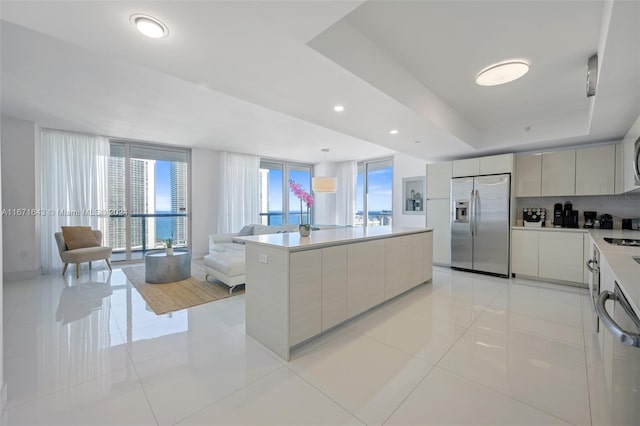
(466, 349)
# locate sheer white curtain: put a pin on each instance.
(238, 189)
(74, 187)
(346, 173)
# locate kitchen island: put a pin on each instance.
(300, 287)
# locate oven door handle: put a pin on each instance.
(625, 337)
(636, 162)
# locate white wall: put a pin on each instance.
(324, 211)
(3, 385)
(20, 186)
(406, 166)
(204, 199)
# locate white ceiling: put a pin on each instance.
(263, 76)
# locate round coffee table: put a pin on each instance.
(160, 268)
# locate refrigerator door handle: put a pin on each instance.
(472, 212)
(474, 195)
(625, 337)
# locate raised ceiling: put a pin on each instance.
(263, 76)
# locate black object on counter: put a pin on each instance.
(558, 215)
(570, 219)
(626, 223)
(606, 221)
(590, 219)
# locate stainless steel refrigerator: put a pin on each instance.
(480, 223)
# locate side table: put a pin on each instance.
(160, 268)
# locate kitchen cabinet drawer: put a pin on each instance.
(595, 170)
(439, 180)
(558, 173)
(528, 175)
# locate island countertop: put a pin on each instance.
(292, 241)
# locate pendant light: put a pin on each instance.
(324, 184)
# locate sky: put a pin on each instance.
(163, 186)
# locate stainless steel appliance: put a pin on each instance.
(480, 223)
(593, 265)
(622, 241)
(534, 217)
(622, 357)
(636, 161)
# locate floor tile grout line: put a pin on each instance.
(325, 395)
(235, 391)
(505, 395)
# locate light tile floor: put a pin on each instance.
(464, 349)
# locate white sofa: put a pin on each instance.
(225, 261)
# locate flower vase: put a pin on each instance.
(304, 230)
(168, 251)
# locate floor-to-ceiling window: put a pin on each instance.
(278, 205)
(374, 193)
(148, 198)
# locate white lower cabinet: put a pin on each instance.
(427, 269)
(305, 295)
(524, 252)
(560, 256)
(439, 219)
(334, 286)
(365, 276)
(393, 247)
(554, 255)
(412, 254)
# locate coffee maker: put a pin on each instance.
(590, 219)
(558, 215)
(570, 219)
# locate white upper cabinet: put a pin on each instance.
(439, 180)
(559, 173)
(495, 164)
(467, 167)
(595, 170)
(528, 175)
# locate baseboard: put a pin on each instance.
(21, 275)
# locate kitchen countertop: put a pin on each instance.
(551, 229)
(329, 237)
(620, 258)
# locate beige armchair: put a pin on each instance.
(80, 255)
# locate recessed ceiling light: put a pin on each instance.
(394, 132)
(502, 73)
(149, 26)
(338, 108)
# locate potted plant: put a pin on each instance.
(302, 195)
(168, 246)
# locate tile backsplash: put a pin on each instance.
(619, 206)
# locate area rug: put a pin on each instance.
(171, 297)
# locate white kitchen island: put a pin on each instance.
(300, 287)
